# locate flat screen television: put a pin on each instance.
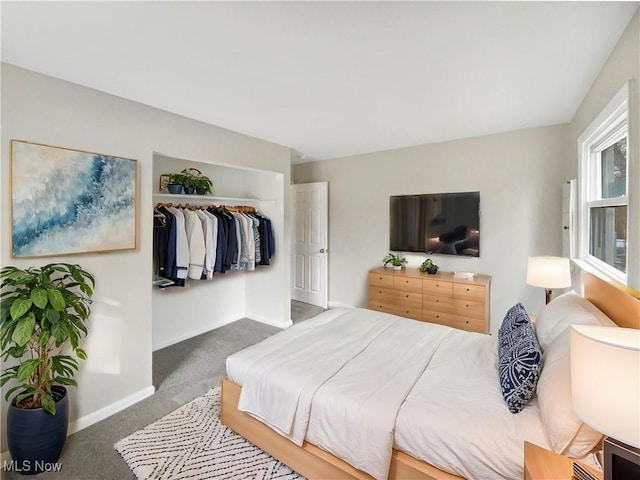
(436, 223)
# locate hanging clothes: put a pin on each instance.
(221, 246)
(164, 237)
(210, 229)
(195, 237)
(195, 242)
(182, 245)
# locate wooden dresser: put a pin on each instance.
(438, 298)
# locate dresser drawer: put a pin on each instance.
(436, 298)
(456, 306)
(395, 297)
(407, 284)
(381, 280)
(403, 311)
(437, 288)
(409, 312)
(468, 291)
(455, 321)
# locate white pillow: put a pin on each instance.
(566, 310)
(567, 434)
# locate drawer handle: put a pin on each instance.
(437, 301)
(467, 305)
(437, 316)
(379, 291)
(467, 322)
(407, 296)
(467, 289)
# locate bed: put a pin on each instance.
(314, 407)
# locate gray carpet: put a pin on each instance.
(181, 373)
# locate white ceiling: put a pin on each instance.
(329, 79)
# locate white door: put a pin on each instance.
(310, 256)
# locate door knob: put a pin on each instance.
(322, 250)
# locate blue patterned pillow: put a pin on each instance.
(519, 358)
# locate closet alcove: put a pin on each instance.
(263, 294)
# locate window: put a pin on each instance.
(604, 187)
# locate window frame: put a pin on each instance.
(611, 125)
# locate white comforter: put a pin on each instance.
(348, 378)
(455, 417)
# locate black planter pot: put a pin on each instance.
(36, 437)
(432, 270)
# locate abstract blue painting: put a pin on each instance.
(67, 201)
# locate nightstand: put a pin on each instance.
(543, 464)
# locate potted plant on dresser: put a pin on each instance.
(429, 267)
(43, 315)
(396, 261)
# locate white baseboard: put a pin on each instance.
(109, 410)
(191, 334)
(270, 321)
(208, 328)
(98, 415)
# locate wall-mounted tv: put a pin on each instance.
(436, 223)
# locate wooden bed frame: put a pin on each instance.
(622, 306)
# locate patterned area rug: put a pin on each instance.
(190, 443)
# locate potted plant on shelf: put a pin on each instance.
(203, 185)
(43, 316)
(175, 183)
(428, 266)
(397, 261)
(192, 180)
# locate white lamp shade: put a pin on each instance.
(605, 380)
(548, 272)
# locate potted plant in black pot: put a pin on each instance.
(429, 267)
(203, 185)
(43, 315)
(195, 182)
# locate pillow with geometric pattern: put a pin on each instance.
(519, 358)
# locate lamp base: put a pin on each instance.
(547, 292)
(621, 461)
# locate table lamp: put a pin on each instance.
(605, 390)
(548, 273)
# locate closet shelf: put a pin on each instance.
(204, 198)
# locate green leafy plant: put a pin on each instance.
(395, 260)
(42, 311)
(202, 184)
(192, 178)
(427, 265)
(177, 178)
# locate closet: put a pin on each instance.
(262, 294)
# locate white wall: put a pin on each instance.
(519, 176)
(622, 65)
(42, 109)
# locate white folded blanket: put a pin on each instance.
(278, 388)
(354, 413)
